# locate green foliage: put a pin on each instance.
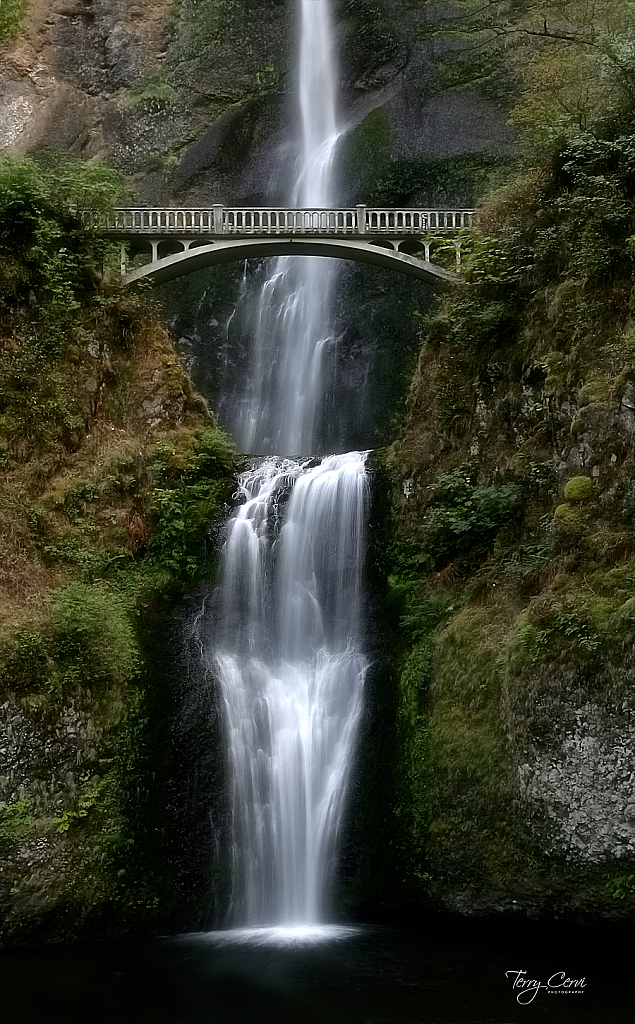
(96, 793)
(86, 641)
(579, 488)
(45, 246)
(568, 64)
(92, 639)
(180, 515)
(463, 517)
(620, 886)
(194, 471)
(577, 626)
(84, 651)
(15, 820)
(566, 632)
(11, 12)
(204, 452)
(534, 353)
(479, 321)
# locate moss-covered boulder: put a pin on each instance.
(579, 488)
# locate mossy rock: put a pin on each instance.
(578, 488)
(565, 511)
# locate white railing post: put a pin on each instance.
(361, 218)
(218, 218)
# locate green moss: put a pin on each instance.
(151, 98)
(565, 512)
(473, 831)
(579, 488)
(11, 12)
(204, 24)
(364, 152)
(92, 639)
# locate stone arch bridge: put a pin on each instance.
(179, 241)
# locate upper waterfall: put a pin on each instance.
(317, 105)
(281, 402)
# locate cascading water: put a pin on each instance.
(288, 647)
(291, 672)
(280, 404)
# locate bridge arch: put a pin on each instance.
(197, 256)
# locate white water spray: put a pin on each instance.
(280, 405)
(288, 648)
(291, 673)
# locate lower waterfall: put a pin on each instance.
(291, 668)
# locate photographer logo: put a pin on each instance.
(559, 984)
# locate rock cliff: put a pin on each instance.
(499, 759)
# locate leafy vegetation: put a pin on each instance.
(113, 471)
(48, 258)
(11, 13)
(508, 609)
(464, 518)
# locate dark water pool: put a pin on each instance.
(440, 974)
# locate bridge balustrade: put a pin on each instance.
(417, 221)
(269, 220)
(221, 220)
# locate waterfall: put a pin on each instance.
(279, 407)
(287, 648)
(291, 673)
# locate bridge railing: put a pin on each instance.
(221, 220)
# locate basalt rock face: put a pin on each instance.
(195, 103)
(161, 90)
(191, 100)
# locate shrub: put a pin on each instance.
(45, 245)
(92, 639)
(464, 517)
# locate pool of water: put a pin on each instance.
(444, 973)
